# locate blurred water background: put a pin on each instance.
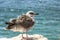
(47, 22)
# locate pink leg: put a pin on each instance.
(22, 37)
(26, 36)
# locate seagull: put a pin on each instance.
(22, 23)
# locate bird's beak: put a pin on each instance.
(36, 14)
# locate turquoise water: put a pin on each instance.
(47, 23)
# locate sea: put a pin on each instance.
(47, 23)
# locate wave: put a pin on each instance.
(2, 9)
(5, 38)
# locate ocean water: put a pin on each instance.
(47, 23)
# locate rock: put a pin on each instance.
(30, 37)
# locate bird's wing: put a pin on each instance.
(25, 20)
(21, 18)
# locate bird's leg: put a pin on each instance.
(22, 37)
(26, 36)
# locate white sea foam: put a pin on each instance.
(5, 38)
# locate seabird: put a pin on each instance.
(22, 23)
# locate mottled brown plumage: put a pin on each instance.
(26, 21)
(22, 23)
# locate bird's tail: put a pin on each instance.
(6, 22)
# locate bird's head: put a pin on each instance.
(31, 13)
